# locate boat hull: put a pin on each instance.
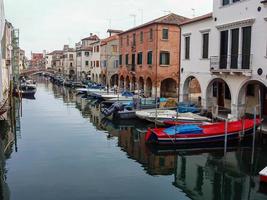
(211, 135)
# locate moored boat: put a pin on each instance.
(3, 107)
(263, 175)
(194, 134)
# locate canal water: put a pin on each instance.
(65, 151)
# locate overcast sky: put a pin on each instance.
(49, 24)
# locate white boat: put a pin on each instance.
(263, 175)
(160, 115)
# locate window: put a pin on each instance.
(127, 59)
(165, 34)
(86, 63)
(246, 47)
(97, 63)
(121, 40)
(91, 63)
(97, 49)
(164, 58)
(151, 34)
(128, 40)
(141, 36)
(187, 47)
(134, 39)
(116, 64)
(115, 48)
(71, 56)
(149, 58)
(225, 2)
(140, 58)
(120, 59)
(205, 51)
(86, 53)
(71, 64)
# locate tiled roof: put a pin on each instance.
(56, 52)
(196, 19)
(111, 38)
(114, 31)
(167, 19)
(92, 37)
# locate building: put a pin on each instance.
(226, 52)
(84, 51)
(48, 60)
(6, 61)
(2, 28)
(69, 62)
(150, 55)
(37, 60)
(22, 60)
(95, 62)
(109, 59)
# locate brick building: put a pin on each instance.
(150, 55)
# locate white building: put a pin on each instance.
(226, 53)
(69, 62)
(95, 62)
(84, 56)
(48, 60)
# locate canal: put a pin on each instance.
(64, 150)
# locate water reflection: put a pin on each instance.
(199, 173)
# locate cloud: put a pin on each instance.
(49, 24)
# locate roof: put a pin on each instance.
(171, 19)
(109, 39)
(91, 37)
(114, 31)
(86, 49)
(55, 52)
(196, 19)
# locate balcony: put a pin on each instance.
(232, 64)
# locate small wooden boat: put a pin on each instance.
(194, 134)
(263, 175)
(159, 116)
(27, 89)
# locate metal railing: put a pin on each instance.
(238, 62)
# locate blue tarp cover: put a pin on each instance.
(183, 129)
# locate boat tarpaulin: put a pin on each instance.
(183, 129)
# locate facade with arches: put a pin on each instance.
(226, 56)
(150, 57)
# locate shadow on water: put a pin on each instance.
(200, 173)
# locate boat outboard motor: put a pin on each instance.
(117, 106)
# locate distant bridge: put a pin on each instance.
(34, 71)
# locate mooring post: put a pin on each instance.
(254, 136)
(225, 136)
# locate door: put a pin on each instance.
(234, 48)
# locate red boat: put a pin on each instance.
(174, 122)
(263, 175)
(195, 134)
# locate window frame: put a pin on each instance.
(164, 29)
(140, 60)
(161, 60)
(187, 48)
(148, 53)
(205, 54)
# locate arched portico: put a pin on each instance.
(168, 88)
(192, 90)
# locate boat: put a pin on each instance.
(3, 107)
(263, 175)
(194, 134)
(161, 115)
(27, 88)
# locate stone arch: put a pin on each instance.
(114, 80)
(141, 83)
(252, 94)
(191, 90)
(148, 91)
(219, 93)
(121, 82)
(168, 88)
(127, 86)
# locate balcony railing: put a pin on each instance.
(231, 63)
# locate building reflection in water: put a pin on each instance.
(9, 132)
